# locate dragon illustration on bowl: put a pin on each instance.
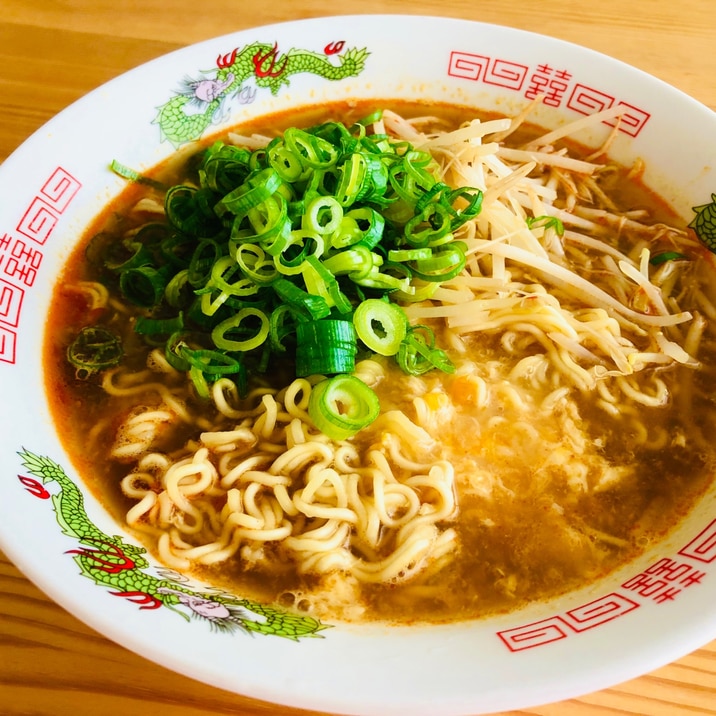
(112, 562)
(239, 75)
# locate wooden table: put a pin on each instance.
(51, 53)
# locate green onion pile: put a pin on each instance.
(300, 250)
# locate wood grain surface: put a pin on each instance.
(54, 51)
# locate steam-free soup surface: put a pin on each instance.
(564, 440)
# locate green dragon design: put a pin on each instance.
(112, 562)
(239, 74)
(704, 223)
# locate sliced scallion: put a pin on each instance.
(250, 338)
(325, 347)
(341, 406)
(94, 349)
(305, 245)
(381, 325)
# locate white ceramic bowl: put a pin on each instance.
(58, 181)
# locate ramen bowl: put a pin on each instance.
(646, 613)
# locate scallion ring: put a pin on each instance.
(381, 325)
(254, 336)
(94, 349)
(341, 406)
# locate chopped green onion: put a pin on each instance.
(352, 179)
(94, 349)
(157, 326)
(325, 347)
(203, 260)
(418, 354)
(305, 246)
(178, 291)
(301, 245)
(432, 225)
(302, 304)
(411, 178)
(281, 325)
(214, 363)
(371, 223)
(207, 366)
(286, 163)
(224, 167)
(348, 233)
(658, 259)
(258, 188)
(173, 351)
(380, 280)
(223, 270)
(372, 118)
(410, 254)
(269, 221)
(127, 255)
(323, 215)
(321, 282)
(474, 205)
(356, 261)
(545, 222)
(201, 384)
(341, 406)
(143, 286)
(187, 210)
(381, 325)
(417, 292)
(252, 261)
(234, 323)
(314, 151)
(134, 176)
(442, 265)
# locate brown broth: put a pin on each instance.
(513, 550)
